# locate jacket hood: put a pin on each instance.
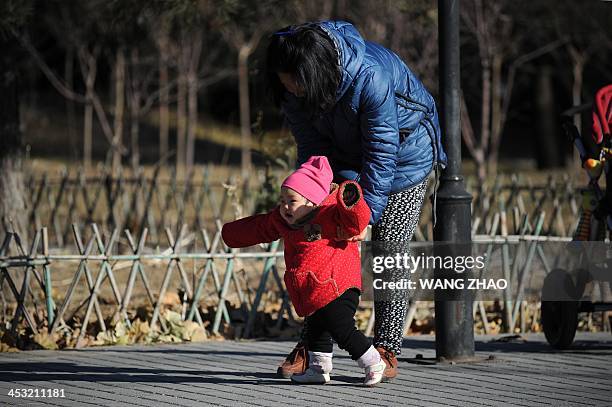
(351, 50)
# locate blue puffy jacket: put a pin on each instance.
(383, 130)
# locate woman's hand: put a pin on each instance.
(342, 235)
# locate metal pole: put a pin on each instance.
(454, 320)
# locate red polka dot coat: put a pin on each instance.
(319, 268)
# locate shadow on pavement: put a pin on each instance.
(42, 372)
(581, 346)
(67, 372)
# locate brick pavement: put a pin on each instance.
(231, 373)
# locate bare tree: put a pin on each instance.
(119, 76)
(179, 32)
(88, 52)
(491, 26)
(189, 49)
(141, 76)
(245, 44)
(181, 108)
(69, 61)
(193, 61)
(182, 35)
(88, 62)
(89, 69)
(243, 25)
(164, 99)
(13, 15)
(12, 197)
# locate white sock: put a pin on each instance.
(369, 358)
(321, 361)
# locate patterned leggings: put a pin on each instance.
(397, 224)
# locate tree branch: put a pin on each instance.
(57, 83)
(467, 131)
(154, 97)
(88, 65)
(514, 67)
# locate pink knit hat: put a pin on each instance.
(312, 180)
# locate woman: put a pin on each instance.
(358, 103)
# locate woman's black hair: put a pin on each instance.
(308, 53)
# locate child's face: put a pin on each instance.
(293, 206)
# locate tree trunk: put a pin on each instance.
(119, 110)
(90, 80)
(70, 108)
(497, 124)
(245, 113)
(578, 62)
(164, 116)
(12, 188)
(482, 161)
(481, 165)
(469, 138)
(485, 123)
(548, 152)
(87, 133)
(134, 134)
(181, 115)
(192, 119)
(192, 97)
(135, 96)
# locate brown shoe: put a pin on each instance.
(296, 362)
(391, 362)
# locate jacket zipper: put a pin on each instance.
(407, 99)
(432, 128)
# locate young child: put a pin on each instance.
(323, 275)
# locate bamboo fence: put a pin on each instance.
(98, 240)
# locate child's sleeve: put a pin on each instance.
(251, 230)
(353, 213)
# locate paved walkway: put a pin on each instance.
(242, 373)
